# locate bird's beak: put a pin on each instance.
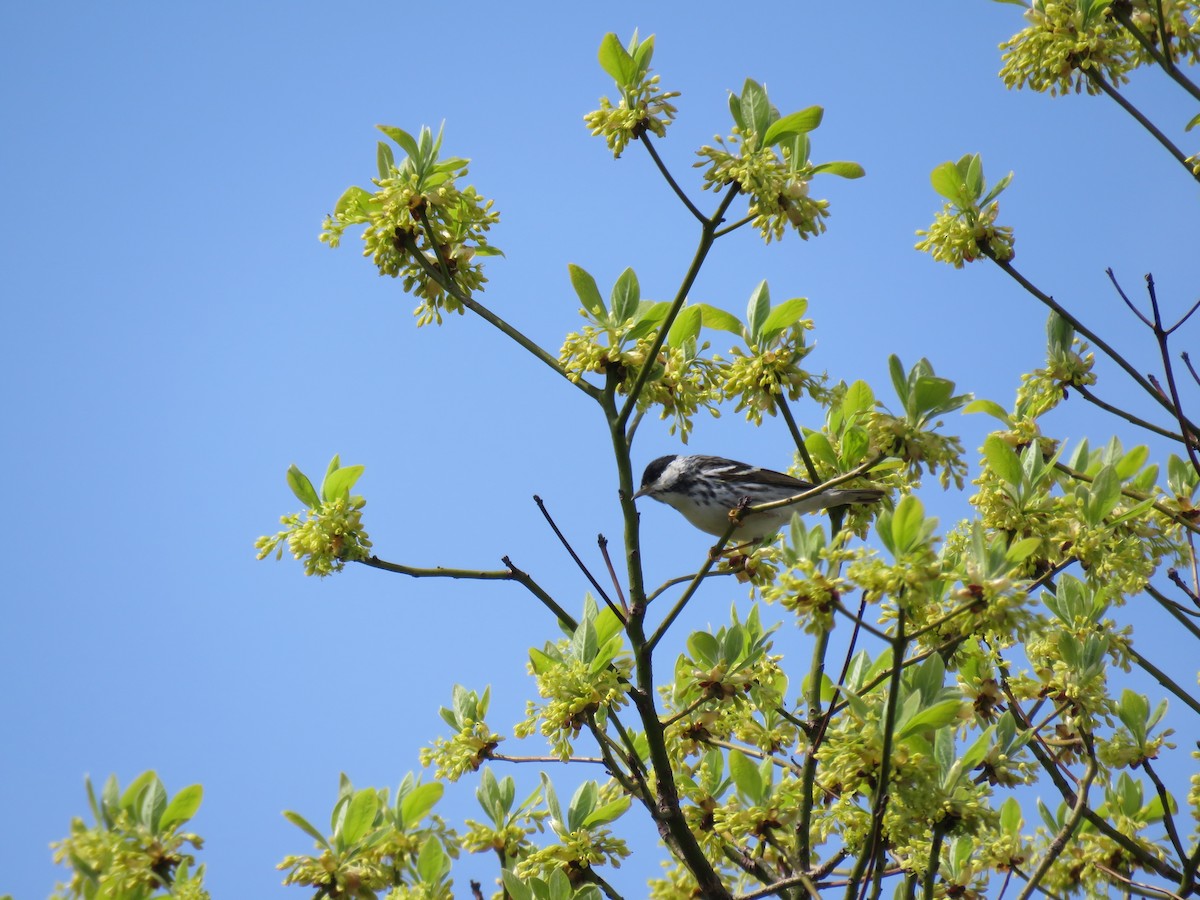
(641, 492)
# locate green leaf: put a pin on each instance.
(360, 815)
(719, 319)
(431, 861)
(302, 823)
(859, 398)
(339, 482)
(758, 309)
(154, 803)
(899, 380)
(745, 776)
(936, 716)
(648, 317)
(756, 108)
(1021, 550)
(585, 288)
(703, 648)
(1104, 494)
(625, 296)
(841, 168)
(384, 160)
(947, 182)
(996, 189)
(132, 797)
(642, 55)
(1003, 459)
(1132, 461)
(419, 801)
(302, 487)
(609, 812)
(1192, 123)
(794, 123)
(974, 179)
(516, 888)
(182, 807)
(686, 326)
(991, 407)
(907, 520)
(735, 110)
(402, 138)
(784, 316)
(615, 60)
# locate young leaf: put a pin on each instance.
(360, 815)
(420, 800)
(745, 776)
(947, 182)
(302, 823)
(182, 807)
(302, 487)
(1003, 459)
(686, 326)
(756, 109)
(625, 296)
(338, 483)
(615, 60)
(385, 161)
(719, 319)
(784, 316)
(794, 123)
(991, 407)
(758, 309)
(403, 139)
(841, 168)
(431, 861)
(585, 287)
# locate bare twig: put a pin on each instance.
(602, 542)
(512, 573)
(575, 556)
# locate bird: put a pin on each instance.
(705, 488)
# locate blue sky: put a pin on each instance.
(178, 337)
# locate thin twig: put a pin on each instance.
(512, 573)
(1125, 414)
(1168, 817)
(1068, 829)
(1161, 335)
(602, 543)
(1165, 680)
(1095, 78)
(798, 439)
(1164, 60)
(491, 318)
(644, 137)
(575, 556)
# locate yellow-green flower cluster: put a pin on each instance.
(578, 851)
(366, 872)
(420, 891)
(807, 593)
(920, 449)
(512, 840)
(682, 382)
(326, 538)
(644, 106)
(126, 860)
(954, 238)
(465, 752)
(435, 262)
(575, 693)
(779, 197)
(1063, 41)
(758, 380)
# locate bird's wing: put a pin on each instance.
(741, 472)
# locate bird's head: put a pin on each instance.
(662, 476)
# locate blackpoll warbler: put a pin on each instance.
(706, 488)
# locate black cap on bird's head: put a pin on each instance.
(653, 472)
